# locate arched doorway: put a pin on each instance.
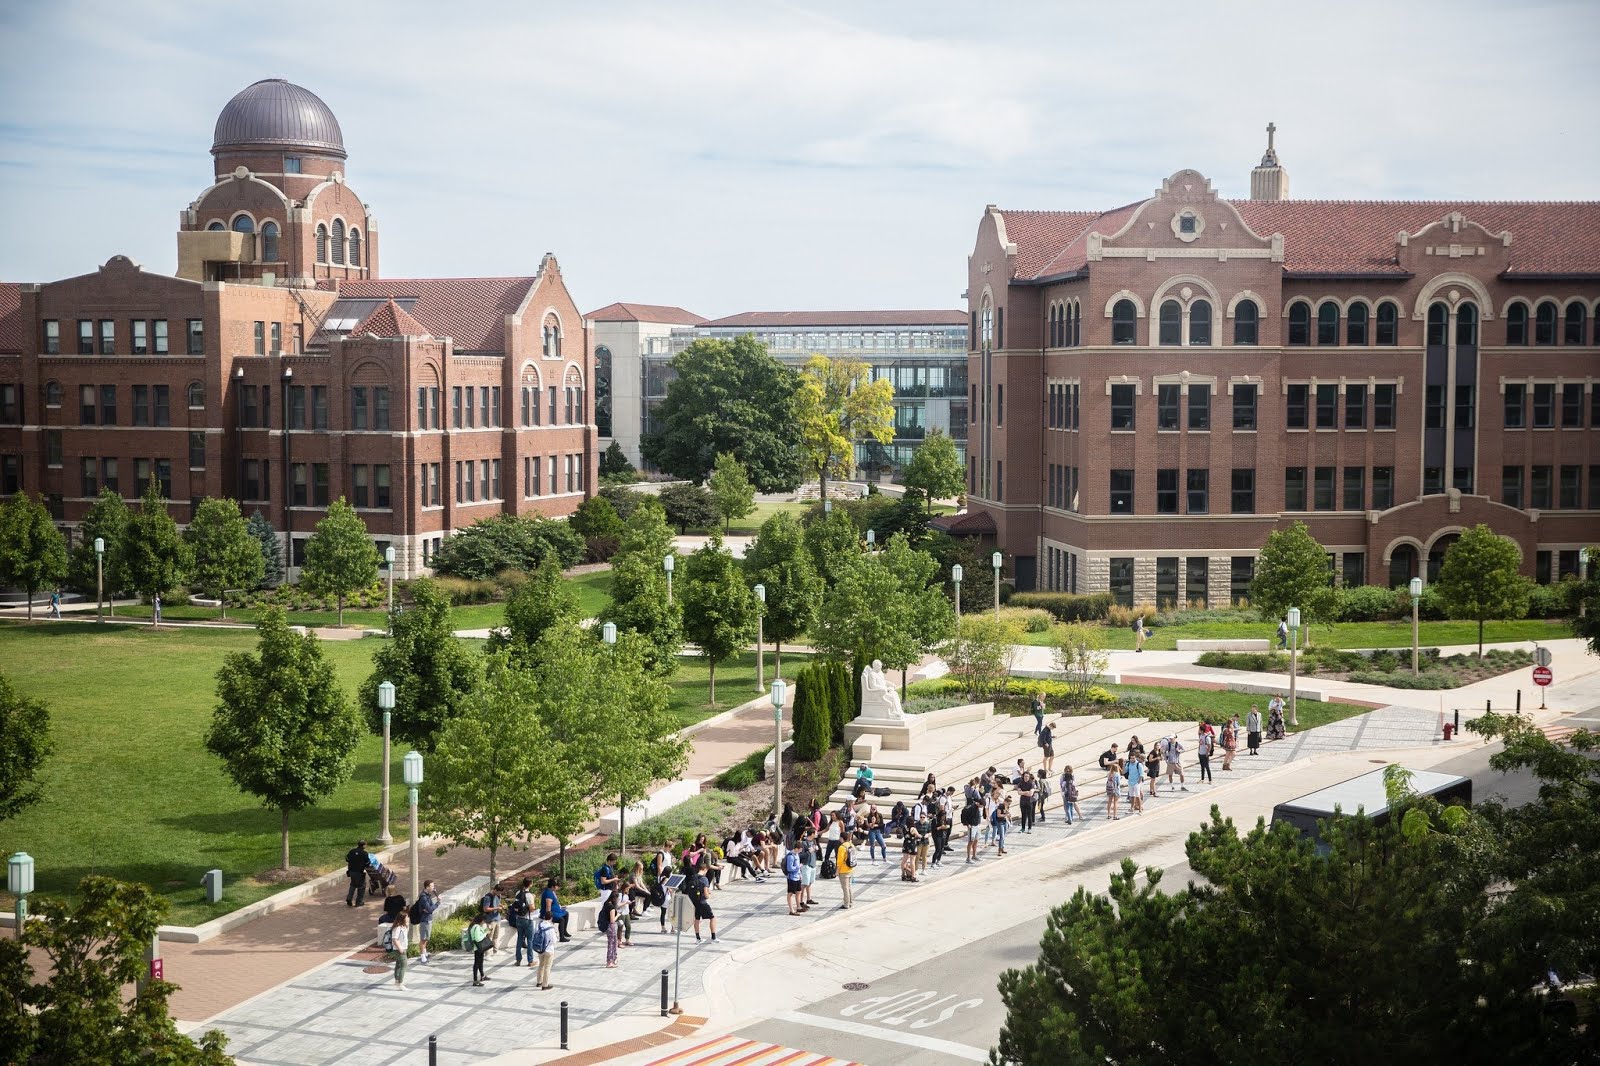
(1402, 565)
(1436, 554)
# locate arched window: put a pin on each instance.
(216, 226)
(1436, 554)
(1467, 325)
(1247, 323)
(986, 324)
(269, 242)
(1055, 326)
(337, 240)
(244, 224)
(1402, 565)
(552, 336)
(1544, 324)
(1355, 323)
(1328, 324)
(1388, 331)
(1300, 323)
(1077, 322)
(355, 247)
(1438, 323)
(197, 394)
(322, 243)
(1517, 324)
(1575, 323)
(1200, 322)
(52, 394)
(1123, 328)
(1171, 322)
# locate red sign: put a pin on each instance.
(1542, 676)
(155, 969)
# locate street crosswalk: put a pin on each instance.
(733, 1050)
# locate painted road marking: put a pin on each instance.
(732, 1050)
(893, 1036)
(901, 1007)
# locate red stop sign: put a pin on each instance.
(1542, 676)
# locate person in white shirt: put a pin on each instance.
(399, 942)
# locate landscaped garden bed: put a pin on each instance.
(1381, 667)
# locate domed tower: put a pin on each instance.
(279, 212)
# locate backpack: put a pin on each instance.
(519, 904)
(599, 877)
(466, 937)
(541, 940)
(970, 815)
(1040, 738)
(388, 938)
(415, 913)
(490, 899)
(829, 870)
(1136, 621)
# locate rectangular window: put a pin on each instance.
(1244, 492)
(1594, 401)
(1200, 407)
(422, 407)
(1166, 491)
(484, 492)
(164, 477)
(1516, 416)
(85, 336)
(1121, 581)
(249, 414)
(297, 407)
(1464, 406)
(277, 337)
(461, 484)
(1241, 571)
(1167, 406)
(252, 480)
(159, 327)
(1296, 406)
(1432, 480)
(1196, 580)
(1382, 488)
(1541, 567)
(1355, 570)
(527, 407)
(455, 407)
(319, 484)
(1570, 487)
(1434, 407)
(494, 404)
(534, 476)
(1461, 479)
(299, 481)
(10, 405)
(52, 445)
(999, 406)
(483, 404)
(108, 405)
(1566, 564)
(1077, 389)
(86, 405)
(433, 407)
(1511, 486)
(359, 496)
(1121, 407)
(162, 397)
(437, 469)
(197, 336)
(1327, 406)
(1166, 583)
(380, 486)
(1323, 488)
(552, 408)
(380, 407)
(1294, 488)
(108, 475)
(140, 342)
(258, 334)
(1355, 488)
(1121, 492)
(496, 485)
(999, 480)
(1355, 407)
(424, 473)
(1594, 491)
(197, 450)
(108, 337)
(1383, 406)
(319, 407)
(90, 471)
(555, 474)
(141, 474)
(52, 337)
(1544, 406)
(1572, 405)
(1244, 407)
(1199, 491)
(358, 407)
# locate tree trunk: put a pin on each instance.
(494, 874)
(1480, 638)
(284, 829)
(777, 650)
(822, 485)
(902, 683)
(622, 822)
(561, 860)
(341, 609)
(713, 663)
(30, 604)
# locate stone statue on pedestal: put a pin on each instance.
(879, 701)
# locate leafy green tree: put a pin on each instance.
(935, 469)
(340, 557)
(1080, 656)
(883, 606)
(107, 519)
(77, 1010)
(152, 556)
(929, 618)
(731, 491)
(840, 701)
(729, 396)
(596, 517)
(433, 671)
(645, 531)
(507, 542)
(1584, 616)
(834, 543)
(778, 558)
(271, 549)
(838, 404)
(977, 581)
(1480, 580)
(24, 746)
(623, 499)
(542, 601)
(689, 507)
(614, 463)
(719, 610)
(33, 553)
(1292, 571)
(226, 556)
(813, 713)
(283, 729)
(639, 604)
(980, 653)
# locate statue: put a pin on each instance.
(879, 701)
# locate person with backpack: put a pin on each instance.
(658, 898)
(605, 878)
(421, 916)
(1173, 751)
(550, 908)
(396, 941)
(544, 946)
(845, 868)
(1025, 790)
(1283, 634)
(355, 868)
(1047, 748)
(478, 939)
(808, 863)
(394, 905)
(1152, 767)
(971, 817)
(611, 926)
(1041, 786)
(1135, 780)
(489, 907)
(908, 855)
(1202, 751)
(877, 847)
(522, 917)
(1139, 633)
(795, 887)
(1000, 821)
(1069, 795)
(698, 886)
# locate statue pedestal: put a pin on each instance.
(891, 736)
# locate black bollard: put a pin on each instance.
(1519, 701)
(433, 1051)
(563, 1025)
(663, 993)
(1458, 720)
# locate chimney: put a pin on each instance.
(1269, 181)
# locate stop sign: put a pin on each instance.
(1542, 676)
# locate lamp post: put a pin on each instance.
(667, 563)
(955, 576)
(388, 558)
(780, 690)
(1583, 576)
(411, 773)
(19, 882)
(1416, 598)
(996, 560)
(761, 654)
(608, 634)
(100, 578)
(1294, 647)
(872, 540)
(386, 705)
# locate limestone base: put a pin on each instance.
(891, 737)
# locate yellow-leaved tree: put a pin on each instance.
(838, 405)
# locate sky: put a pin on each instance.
(730, 157)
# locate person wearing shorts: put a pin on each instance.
(794, 885)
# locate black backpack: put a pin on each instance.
(415, 913)
(519, 903)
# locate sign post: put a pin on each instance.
(1542, 677)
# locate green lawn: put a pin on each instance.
(750, 524)
(1335, 635)
(736, 684)
(1219, 704)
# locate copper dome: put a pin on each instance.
(274, 113)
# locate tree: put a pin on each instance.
(226, 556)
(1080, 655)
(929, 618)
(645, 531)
(840, 699)
(623, 499)
(542, 601)
(271, 549)
(614, 463)
(981, 653)
(719, 610)
(1584, 618)
(882, 606)
(728, 396)
(731, 491)
(813, 714)
(596, 517)
(24, 746)
(689, 507)
(33, 553)
(977, 582)
(1479, 579)
(107, 519)
(507, 542)
(283, 729)
(1292, 571)
(778, 559)
(639, 600)
(433, 671)
(935, 469)
(340, 557)
(152, 556)
(837, 405)
(77, 1010)
(834, 542)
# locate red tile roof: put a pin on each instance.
(1041, 235)
(389, 319)
(965, 524)
(10, 317)
(625, 312)
(470, 311)
(793, 319)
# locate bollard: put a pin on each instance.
(1458, 719)
(1519, 701)
(563, 1025)
(433, 1051)
(663, 993)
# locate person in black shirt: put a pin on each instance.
(355, 869)
(908, 854)
(1108, 758)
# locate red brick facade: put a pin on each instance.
(1394, 343)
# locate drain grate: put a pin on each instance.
(856, 986)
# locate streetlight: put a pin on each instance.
(667, 563)
(100, 578)
(388, 558)
(1294, 646)
(386, 705)
(19, 882)
(872, 540)
(780, 690)
(996, 560)
(608, 633)
(1416, 598)
(955, 576)
(411, 773)
(761, 655)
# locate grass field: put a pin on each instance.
(736, 684)
(1335, 635)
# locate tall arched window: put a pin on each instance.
(216, 226)
(1328, 324)
(1123, 323)
(1575, 323)
(1077, 323)
(269, 242)
(322, 243)
(197, 394)
(986, 324)
(52, 394)
(337, 240)
(1467, 325)
(1247, 323)
(1388, 328)
(1200, 322)
(355, 247)
(1517, 324)
(1544, 324)
(1055, 326)
(1171, 322)
(1402, 565)
(244, 224)
(1438, 323)
(1355, 323)
(1300, 323)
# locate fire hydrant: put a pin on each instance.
(1449, 730)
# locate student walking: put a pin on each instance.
(356, 861)
(699, 889)
(1202, 750)
(971, 816)
(544, 945)
(1252, 726)
(422, 918)
(55, 605)
(1113, 790)
(480, 940)
(1047, 745)
(1038, 714)
(1140, 633)
(397, 942)
(1069, 795)
(844, 860)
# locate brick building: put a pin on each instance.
(279, 367)
(1157, 387)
